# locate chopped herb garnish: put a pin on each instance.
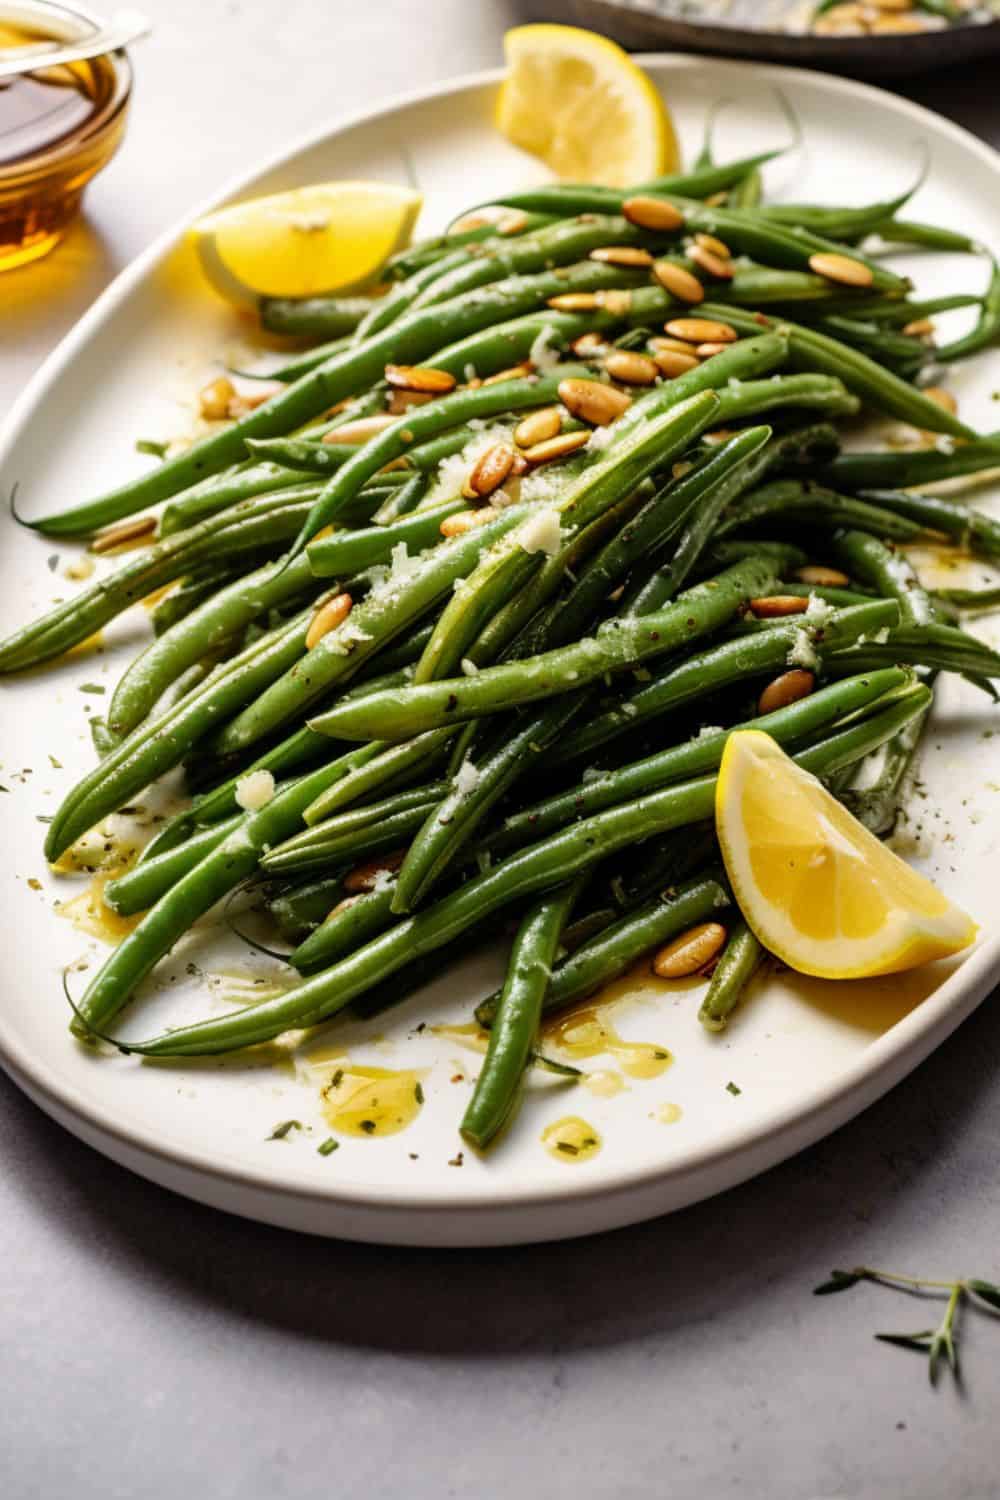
(328, 1147)
(56, 764)
(418, 1092)
(281, 1131)
(52, 561)
(335, 1080)
(569, 1149)
(150, 446)
(39, 817)
(368, 1126)
(732, 1088)
(91, 687)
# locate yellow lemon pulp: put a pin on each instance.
(816, 886)
(331, 237)
(581, 104)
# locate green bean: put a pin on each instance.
(880, 343)
(872, 791)
(351, 924)
(151, 750)
(894, 311)
(305, 455)
(840, 223)
(888, 572)
(453, 822)
(987, 329)
(881, 471)
(968, 528)
(218, 873)
(191, 591)
(741, 958)
(928, 236)
(331, 852)
(750, 398)
(218, 619)
(614, 951)
(241, 531)
(525, 874)
(138, 888)
(748, 193)
(808, 503)
(387, 611)
(405, 500)
(936, 646)
(327, 316)
(504, 345)
(298, 910)
(706, 489)
(519, 1009)
(413, 338)
(372, 828)
(986, 598)
(876, 386)
(428, 252)
(620, 643)
(719, 666)
(302, 363)
(401, 297)
(387, 766)
(566, 198)
(348, 552)
(821, 709)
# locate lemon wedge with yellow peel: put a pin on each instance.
(581, 104)
(331, 237)
(816, 886)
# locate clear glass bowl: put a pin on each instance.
(40, 190)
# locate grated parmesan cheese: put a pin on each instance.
(802, 652)
(255, 790)
(541, 354)
(541, 532)
(466, 778)
(469, 667)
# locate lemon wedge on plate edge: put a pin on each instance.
(818, 889)
(580, 103)
(330, 237)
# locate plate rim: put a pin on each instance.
(887, 1059)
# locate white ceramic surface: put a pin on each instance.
(805, 1056)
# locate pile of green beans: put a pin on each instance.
(446, 673)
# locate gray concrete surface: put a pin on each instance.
(154, 1349)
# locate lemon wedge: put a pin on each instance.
(581, 104)
(331, 237)
(817, 887)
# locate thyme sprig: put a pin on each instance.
(937, 1343)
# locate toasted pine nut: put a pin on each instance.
(344, 905)
(120, 536)
(720, 435)
(214, 399)
(470, 221)
(773, 606)
(705, 351)
(420, 378)
(841, 269)
(364, 875)
(630, 367)
(897, 25)
(715, 246)
(690, 952)
(714, 265)
(660, 345)
(788, 688)
(896, 5)
(557, 447)
(919, 328)
(250, 400)
(588, 345)
(488, 472)
(462, 521)
(513, 222)
(941, 398)
(592, 401)
(574, 302)
(823, 578)
(513, 372)
(701, 331)
(400, 401)
(652, 213)
(622, 255)
(616, 302)
(671, 365)
(329, 615)
(538, 427)
(716, 200)
(678, 281)
(361, 430)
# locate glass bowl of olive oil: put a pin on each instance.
(58, 127)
